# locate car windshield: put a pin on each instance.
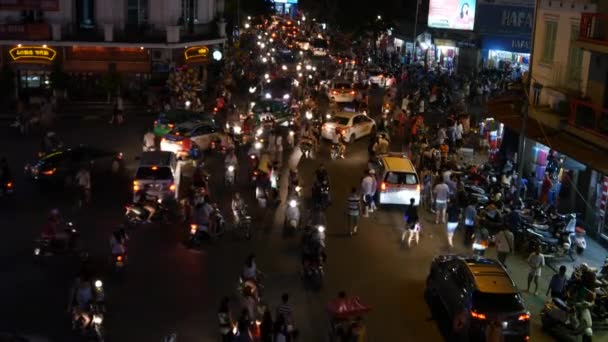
(280, 84)
(342, 85)
(340, 120)
(154, 173)
(401, 178)
(497, 302)
(320, 43)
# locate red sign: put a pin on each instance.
(40, 5)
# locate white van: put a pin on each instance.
(158, 171)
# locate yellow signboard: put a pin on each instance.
(32, 52)
(196, 52)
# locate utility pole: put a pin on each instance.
(416, 22)
(526, 105)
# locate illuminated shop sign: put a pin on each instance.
(32, 52)
(196, 52)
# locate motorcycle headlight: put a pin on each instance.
(321, 229)
(98, 284)
(193, 229)
(237, 129)
(286, 97)
(268, 96)
(97, 319)
(328, 116)
(293, 203)
(37, 251)
(258, 145)
(298, 188)
(309, 115)
(230, 168)
(259, 132)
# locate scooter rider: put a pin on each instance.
(339, 141)
(231, 159)
(321, 173)
(149, 142)
(250, 269)
(238, 207)
(293, 212)
(49, 231)
(81, 296)
(143, 199)
(118, 242)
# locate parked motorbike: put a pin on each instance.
(555, 247)
(561, 320)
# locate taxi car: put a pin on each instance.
(470, 293)
(167, 120)
(351, 125)
(341, 91)
(398, 180)
(194, 135)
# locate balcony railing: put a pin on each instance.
(585, 115)
(594, 28)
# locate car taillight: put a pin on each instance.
(524, 317)
(352, 92)
(172, 187)
(335, 92)
(120, 155)
(171, 126)
(9, 184)
(155, 122)
(478, 315)
(49, 172)
(119, 258)
(135, 186)
(383, 186)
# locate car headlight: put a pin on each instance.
(97, 319)
(237, 129)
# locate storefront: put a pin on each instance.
(446, 55)
(32, 65)
(505, 27)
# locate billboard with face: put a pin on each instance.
(452, 14)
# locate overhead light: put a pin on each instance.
(44, 46)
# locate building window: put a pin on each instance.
(550, 37)
(137, 12)
(85, 13)
(189, 13)
(575, 59)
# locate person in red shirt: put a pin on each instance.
(545, 188)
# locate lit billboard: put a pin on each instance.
(452, 14)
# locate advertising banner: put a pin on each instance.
(506, 20)
(504, 43)
(452, 14)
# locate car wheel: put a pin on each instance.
(352, 138)
(372, 131)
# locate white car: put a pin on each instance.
(341, 91)
(350, 124)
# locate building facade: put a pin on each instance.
(137, 38)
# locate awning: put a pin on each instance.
(507, 113)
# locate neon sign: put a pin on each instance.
(196, 52)
(32, 52)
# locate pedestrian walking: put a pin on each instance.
(353, 205)
(453, 213)
(83, 181)
(504, 244)
(226, 323)
(536, 261)
(411, 218)
(557, 285)
(368, 189)
(441, 192)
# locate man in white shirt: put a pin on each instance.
(149, 141)
(442, 194)
(83, 180)
(368, 189)
(536, 261)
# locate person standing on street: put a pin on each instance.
(368, 188)
(453, 213)
(536, 261)
(441, 191)
(83, 180)
(354, 208)
(411, 218)
(504, 244)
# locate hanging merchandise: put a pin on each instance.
(185, 85)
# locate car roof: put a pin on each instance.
(347, 114)
(191, 124)
(490, 276)
(397, 162)
(156, 158)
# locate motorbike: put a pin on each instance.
(291, 139)
(306, 150)
(314, 246)
(292, 216)
(136, 214)
(46, 247)
(200, 231)
(550, 245)
(334, 153)
(229, 177)
(243, 226)
(119, 261)
(7, 188)
(561, 320)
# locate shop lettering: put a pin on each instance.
(516, 19)
(520, 44)
(33, 52)
(196, 52)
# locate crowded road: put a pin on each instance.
(169, 288)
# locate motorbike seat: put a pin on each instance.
(561, 304)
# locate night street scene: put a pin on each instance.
(303, 170)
